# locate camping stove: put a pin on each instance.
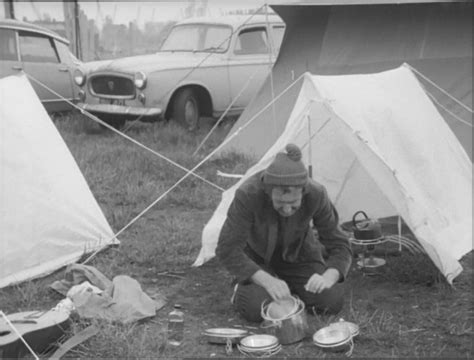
(368, 233)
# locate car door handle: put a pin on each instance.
(17, 67)
(63, 69)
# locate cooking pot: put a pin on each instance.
(366, 229)
(290, 329)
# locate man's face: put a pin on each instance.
(287, 199)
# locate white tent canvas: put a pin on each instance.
(48, 215)
(378, 144)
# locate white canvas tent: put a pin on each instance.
(378, 144)
(48, 215)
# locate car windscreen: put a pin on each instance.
(198, 37)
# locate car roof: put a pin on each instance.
(21, 25)
(233, 20)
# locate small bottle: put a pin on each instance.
(175, 326)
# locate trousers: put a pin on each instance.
(248, 297)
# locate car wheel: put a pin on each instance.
(186, 109)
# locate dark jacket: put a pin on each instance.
(253, 224)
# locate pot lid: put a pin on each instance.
(225, 332)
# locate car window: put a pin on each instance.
(37, 48)
(8, 49)
(198, 37)
(251, 41)
(278, 32)
(217, 39)
(64, 54)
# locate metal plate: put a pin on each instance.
(225, 332)
(371, 262)
(331, 336)
(259, 342)
(353, 328)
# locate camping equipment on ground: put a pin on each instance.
(337, 337)
(95, 296)
(40, 329)
(224, 335)
(378, 143)
(76, 274)
(367, 229)
(50, 217)
(282, 309)
(72, 342)
(259, 345)
(368, 233)
(288, 329)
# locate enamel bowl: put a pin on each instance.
(259, 341)
(222, 335)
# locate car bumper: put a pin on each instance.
(119, 110)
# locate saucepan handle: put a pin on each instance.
(267, 324)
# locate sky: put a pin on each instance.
(123, 12)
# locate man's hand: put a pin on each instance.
(278, 289)
(317, 283)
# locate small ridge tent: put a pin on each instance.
(48, 215)
(339, 37)
(378, 144)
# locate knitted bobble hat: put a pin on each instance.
(287, 169)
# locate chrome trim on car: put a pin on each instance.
(45, 32)
(94, 77)
(120, 109)
(57, 100)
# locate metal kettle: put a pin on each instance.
(366, 229)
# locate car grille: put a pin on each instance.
(109, 85)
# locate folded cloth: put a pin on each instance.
(122, 301)
(76, 274)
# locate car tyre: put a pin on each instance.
(186, 109)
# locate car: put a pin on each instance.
(205, 66)
(44, 56)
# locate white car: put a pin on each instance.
(204, 66)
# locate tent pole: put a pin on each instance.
(399, 225)
(270, 55)
(310, 149)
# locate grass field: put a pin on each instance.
(405, 311)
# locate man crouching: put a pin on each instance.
(268, 242)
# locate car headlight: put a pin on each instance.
(79, 77)
(140, 80)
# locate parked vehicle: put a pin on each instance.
(42, 54)
(204, 66)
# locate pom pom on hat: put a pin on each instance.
(293, 152)
(287, 169)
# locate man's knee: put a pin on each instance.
(248, 301)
